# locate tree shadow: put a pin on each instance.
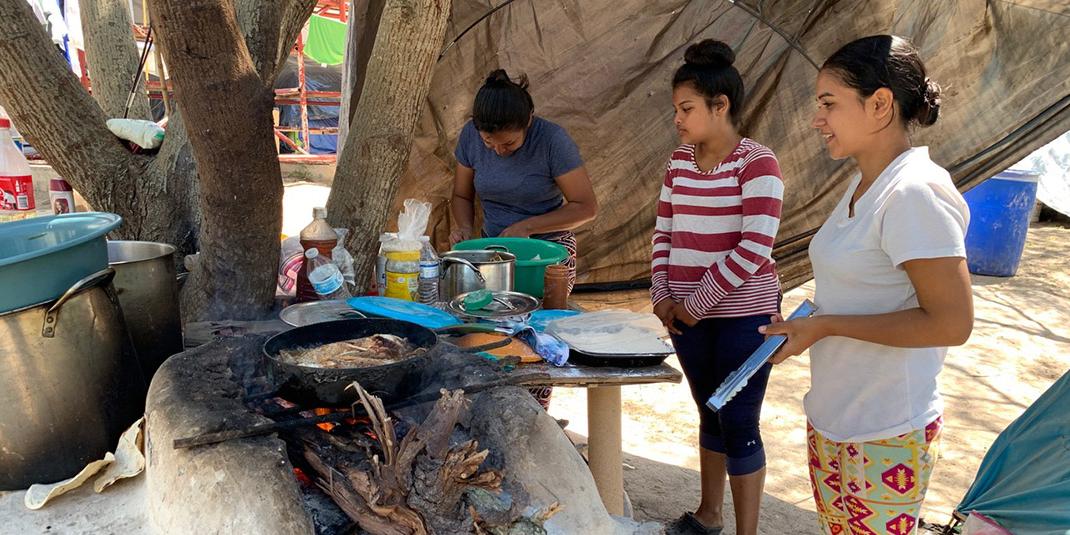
(661, 492)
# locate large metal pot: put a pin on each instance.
(69, 384)
(467, 271)
(148, 292)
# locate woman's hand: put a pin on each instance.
(458, 235)
(520, 229)
(802, 333)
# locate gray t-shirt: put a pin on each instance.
(521, 185)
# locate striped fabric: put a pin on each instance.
(714, 234)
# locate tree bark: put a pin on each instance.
(112, 57)
(228, 109)
(360, 38)
(407, 42)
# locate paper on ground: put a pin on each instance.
(127, 461)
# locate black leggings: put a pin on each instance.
(708, 352)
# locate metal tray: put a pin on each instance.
(504, 306)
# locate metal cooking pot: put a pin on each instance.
(148, 292)
(467, 271)
(70, 384)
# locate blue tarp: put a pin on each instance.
(1024, 480)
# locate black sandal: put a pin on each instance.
(687, 524)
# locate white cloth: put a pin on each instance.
(862, 391)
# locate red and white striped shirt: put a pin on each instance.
(713, 239)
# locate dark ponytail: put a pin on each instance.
(502, 104)
(870, 63)
(708, 69)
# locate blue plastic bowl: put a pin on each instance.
(40, 258)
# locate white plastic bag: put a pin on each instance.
(146, 134)
(291, 258)
(412, 223)
(341, 257)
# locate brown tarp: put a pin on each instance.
(601, 68)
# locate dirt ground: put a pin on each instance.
(1019, 347)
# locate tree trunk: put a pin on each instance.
(113, 58)
(407, 42)
(360, 38)
(228, 109)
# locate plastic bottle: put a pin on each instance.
(403, 275)
(325, 277)
(430, 269)
(16, 182)
(60, 196)
(320, 236)
(555, 287)
(380, 263)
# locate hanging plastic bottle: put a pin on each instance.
(325, 277)
(16, 181)
(322, 237)
(430, 269)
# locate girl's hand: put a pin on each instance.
(681, 314)
(802, 333)
(663, 310)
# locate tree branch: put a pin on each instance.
(270, 29)
(360, 39)
(113, 57)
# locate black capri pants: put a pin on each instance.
(708, 352)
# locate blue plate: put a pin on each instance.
(399, 309)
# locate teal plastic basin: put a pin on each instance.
(532, 257)
(41, 257)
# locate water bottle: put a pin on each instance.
(325, 277)
(430, 269)
(320, 236)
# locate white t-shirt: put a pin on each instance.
(862, 391)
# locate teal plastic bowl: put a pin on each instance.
(532, 257)
(41, 257)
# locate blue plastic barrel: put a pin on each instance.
(1000, 208)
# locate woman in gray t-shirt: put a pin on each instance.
(526, 170)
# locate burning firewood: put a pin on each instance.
(412, 487)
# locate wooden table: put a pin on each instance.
(605, 454)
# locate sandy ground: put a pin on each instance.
(1020, 345)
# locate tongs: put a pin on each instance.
(738, 379)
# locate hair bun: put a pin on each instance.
(500, 78)
(929, 111)
(710, 53)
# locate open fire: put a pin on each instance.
(384, 472)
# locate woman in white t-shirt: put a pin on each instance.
(892, 292)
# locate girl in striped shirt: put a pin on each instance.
(713, 278)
